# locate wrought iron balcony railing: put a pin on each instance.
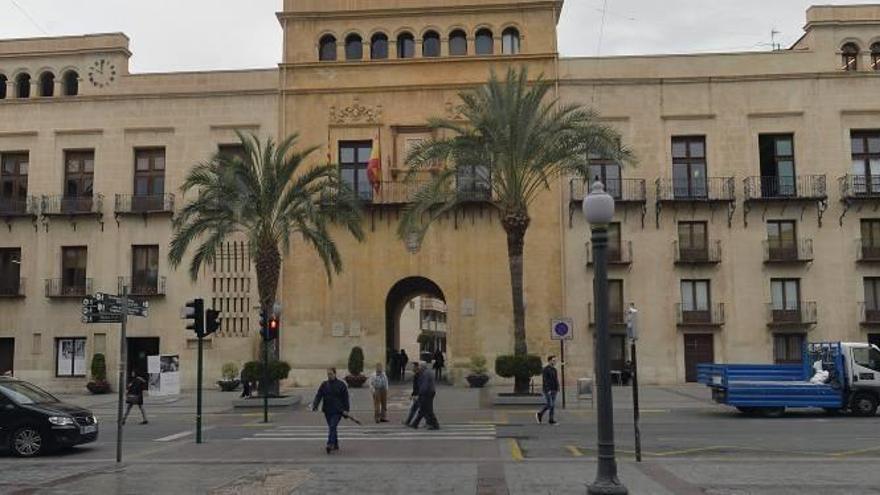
(617, 255)
(799, 251)
(869, 314)
(13, 287)
(779, 188)
(616, 317)
(142, 287)
(860, 186)
(707, 255)
(803, 314)
(711, 189)
(712, 315)
(60, 288)
(28, 207)
(867, 251)
(77, 205)
(622, 190)
(134, 204)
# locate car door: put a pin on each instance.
(866, 367)
(7, 415)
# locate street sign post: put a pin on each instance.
(562, 329)
(107, 308)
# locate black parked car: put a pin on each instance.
(32, 421)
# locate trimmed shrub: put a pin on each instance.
(229, 371)
(253, 371)
(477, 365)
(99, 367)
(356, 361)
(513, 366)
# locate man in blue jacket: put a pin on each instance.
(550, 388)
(334, 395)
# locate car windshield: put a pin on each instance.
(25, 393)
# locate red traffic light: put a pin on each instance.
(273, 324)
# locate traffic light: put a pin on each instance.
(264, 324)
(269, 325)
(274, 326)
(195, 310)
(212, 321)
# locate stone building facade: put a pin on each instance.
(747, 226)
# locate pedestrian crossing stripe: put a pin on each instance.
(376, 433)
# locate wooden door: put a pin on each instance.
(698, 349)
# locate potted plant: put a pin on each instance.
(478, 377)
(355, 377)
(99, 384)
(253, 372)
(521, 367)
(230, 380)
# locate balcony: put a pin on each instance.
(858, 189)
(132, 204)
(713, 316)
(72, 206)
(800, 251)
(712, 191)
(617, 256)
(139, 287)
(12, 288)
(431, 304)
(803, 315)
(792, 189)
(616, 319)
(869, 315)
(708, 255)
(19, 208)
(57, 288)
(867, 251)
(626, 192)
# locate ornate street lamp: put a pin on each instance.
(599, 211)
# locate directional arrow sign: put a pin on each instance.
(102, 318)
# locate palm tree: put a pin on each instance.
(267, 195)
(512, 142)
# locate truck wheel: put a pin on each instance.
(772, 412)
(864, 405)
(748, 411)
(27, 441)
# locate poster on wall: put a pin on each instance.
(164, 373)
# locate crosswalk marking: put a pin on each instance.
(375, 433)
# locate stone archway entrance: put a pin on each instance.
(422, 298)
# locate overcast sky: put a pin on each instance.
(171, 35)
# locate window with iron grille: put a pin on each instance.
(232, 288)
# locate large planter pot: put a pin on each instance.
(355, 381)
(99, 387)
(229, 385)
(477, 381)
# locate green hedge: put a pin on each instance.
(253, 371)
(356, 361)
(510, 366)
(99, 367)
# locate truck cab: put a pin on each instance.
(863, 376)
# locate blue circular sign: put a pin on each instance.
(561, 329)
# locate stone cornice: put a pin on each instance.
(622, 81)
(76, 51)
(339, 64)
(408, 11)
(136, 96)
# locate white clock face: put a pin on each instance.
(102, 73)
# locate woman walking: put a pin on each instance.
(135, 396)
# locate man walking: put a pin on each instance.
(427, 391)
(379, 388)
(551, 388)
(334, 395)
(403, 359)
(414, 396)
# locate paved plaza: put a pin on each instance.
(690, 446)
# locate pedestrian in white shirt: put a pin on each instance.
(379, 388)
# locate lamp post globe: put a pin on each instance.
(598, 209)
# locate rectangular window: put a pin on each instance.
(149, 179)
(473, 183)
(10, 271)
(695, 301)
(354, 157)
(866, 161)
(231, 150)
(785, 295)
(788, 348)
(870, 239)
(782, 240)
(693, 240)
(615, 301)
(777, 165)
(13, 182)
(689, 167)
(73, 269)
(144, 270)
(606, 171)
(70, 357)
(615, 247)
(79, 173)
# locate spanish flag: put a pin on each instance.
(374, 167)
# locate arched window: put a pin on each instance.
(875, 56)
(70, 82)
(2, 87)
(47, 84)
(23, 85)
(431, 44)
(406, 45)
(354, 47)
(485, 44)
(510, 41)
(379, 46)
(850, 53)
(458, 43)
(327, 48)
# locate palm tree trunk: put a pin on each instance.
(268, 261)
(515, 225)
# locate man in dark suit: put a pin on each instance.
(334, 395)
(550, 388)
